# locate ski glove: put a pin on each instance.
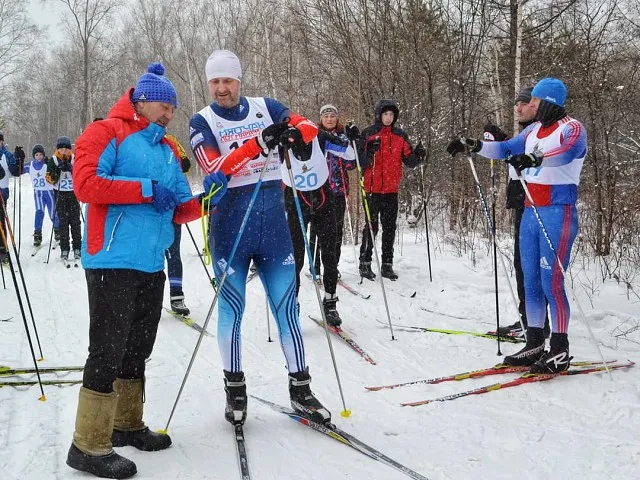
(493, 133)
(270, 136)
(420, 152)
(18, 152)
(352, 132)
(2, 173)
(457, 146)
(215, 186)
(291, 137)
(525, 160)
(163, 198)
(185, 164)
(373, 145)
(65, 166)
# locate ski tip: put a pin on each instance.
(345, 413)
(413, 295)
(43, 398)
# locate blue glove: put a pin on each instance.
(65, 166)
(163, 198)
(215, 186)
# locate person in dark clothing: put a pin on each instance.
(338, 181)
(10, 164)
(172, 254)
(60, 175)
(383, 149)
(525, 114)
(318, 208)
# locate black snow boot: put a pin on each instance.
(387, 271)
(331, 312)
(37, 238)
(236, 409)
(531, 352)
(302, 399)
(557, 359)
(366, 272)
(177, 304)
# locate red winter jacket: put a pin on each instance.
(383, 169)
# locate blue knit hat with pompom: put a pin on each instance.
(153, 86)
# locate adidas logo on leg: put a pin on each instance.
(290, 260)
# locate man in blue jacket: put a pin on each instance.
(129, 176)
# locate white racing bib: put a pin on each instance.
(309, 175)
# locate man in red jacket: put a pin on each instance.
(383, 149)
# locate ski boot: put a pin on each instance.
(387, 271)
(302, 399)
(557, 359)
(76, 254)
(178, 306)
(330, 310)
(37, 238)
(4, 257)
(366, 272)
(235, 411)
(64, 255)
(514, 330)
(531, 352)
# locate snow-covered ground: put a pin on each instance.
(581, 427)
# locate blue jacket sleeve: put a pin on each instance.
(14, 168)
(277, 110)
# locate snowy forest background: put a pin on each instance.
(451, 65)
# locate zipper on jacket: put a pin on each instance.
(113, 231)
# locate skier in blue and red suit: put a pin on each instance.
(549, 154)
(261, 124)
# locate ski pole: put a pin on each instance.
(24, 284)
(492, 231)
(426, 225)
(243, 225)
(563, 271)
(348, 208)
(268, 319)
(345, 412)
(371, 237)
(20, 304)
(53, 222)
(20, 208)
(495, 251)
(206, 270)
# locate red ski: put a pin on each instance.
(339, 332)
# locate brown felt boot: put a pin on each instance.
(91, 450)
(129, 429)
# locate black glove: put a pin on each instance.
(270, 136)
(290, 137)
(18, 152)
(185, 163)
(456, 145)
(420, 152)
(373, 145)
(2, 173)
(493, 133)
(65, 166)
(525, 160)
(352, 132)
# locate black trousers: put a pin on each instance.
(68, 211)
(385, 206)
(124, 312)
(319, 211)
(3, 207)
(339, 209)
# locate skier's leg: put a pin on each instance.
(561, 223)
